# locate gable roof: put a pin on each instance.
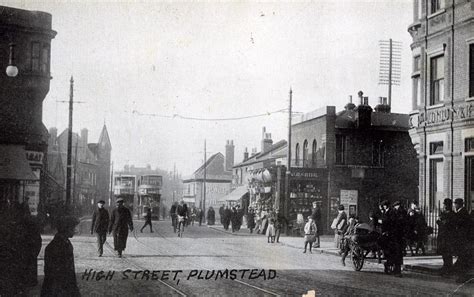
(211, 159)
(104, 137)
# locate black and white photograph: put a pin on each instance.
(236, 148)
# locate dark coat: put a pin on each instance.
(120, 222)
(222, 214)
(59, 271)
(211, 216)
(251, 220)
(148, 215)
(227, 216)
(446, 233)
(182, 210)
(341, 222)
(462, 224)
(316, 216)
(100, 221)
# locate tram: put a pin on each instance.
(125, 187)
(149, 194)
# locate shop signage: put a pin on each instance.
(34, 158)
(349, 200)
(307, 173)
(442, 115)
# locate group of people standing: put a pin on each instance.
(231, 217)
(182, 215)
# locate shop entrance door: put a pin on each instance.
(469, 182)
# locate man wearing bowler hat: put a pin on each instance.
(120, 222)
(100, 223)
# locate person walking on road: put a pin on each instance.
(221, 214)
(200, 216)
(100, 223)
(227, 217)
(251, 220)
(120, 222)
(174, 216)
(462, 224)
(147, 221)
(211, 216)
(59, 270)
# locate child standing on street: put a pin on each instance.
(271, 231)
(310, 230)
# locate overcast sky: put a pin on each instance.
(212, 60)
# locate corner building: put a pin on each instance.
(442, 117)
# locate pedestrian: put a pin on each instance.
(393, 227)
(446, 229)
(147, 221)
(163, 212)
(316, 216)
(280, 222)
(227, 217)
(339, 225)
(416, 232)
(100, 223)
(200, 216)
(251, 220)
(31, 247)
(221, 214)
(120, 222)
(211, 216)
(182, 213)
(310, 230)
(59, 270)
(462, 224)
(271, 231)
(345, 244)
(234, 217)
(174, 216)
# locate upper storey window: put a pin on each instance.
(35, 56)
(437, 80)
(436, 5)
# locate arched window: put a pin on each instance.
(297, 154)
(313, 153)
(305, 153)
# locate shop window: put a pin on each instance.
(297, 154)
(35, 56)
(313, 153)
(437, 80)
(436, 5)
(378, 153)
(305, 153)
(436, 183)
(471, 70)
(340, 149)
(436, 148)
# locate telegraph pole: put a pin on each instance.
(288, 157)
(69, 146)
(204, 183)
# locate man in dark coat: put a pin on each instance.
(59, 269)
(251, 220)
(446, 235)
(462, 224)
(100, 223)
(120, 222)
(393, 227)
(147, 221)
(227, 217)
(222, 214)
(183, 216)
(174, 216)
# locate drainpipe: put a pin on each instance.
(452, 104)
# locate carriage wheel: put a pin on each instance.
(357, 255)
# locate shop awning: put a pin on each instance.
(13, 163)
(235, 195)
(189, 200)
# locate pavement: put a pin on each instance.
(429, 264)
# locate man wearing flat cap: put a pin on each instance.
(120, 222)
(100, 223)
(462, 224)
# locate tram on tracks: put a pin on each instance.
(149, 194)
(125, 187)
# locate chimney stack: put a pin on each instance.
(350, 105)
(382, 106)
(267, 141)
(246, 154)
(229, 155)
(364, 112)
(53, 138)
(254, 152)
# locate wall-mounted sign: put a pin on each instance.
(442, 114)
(308, 173)
(34, 158)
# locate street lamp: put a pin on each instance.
(12, 70)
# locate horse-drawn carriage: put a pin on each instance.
(366, 241)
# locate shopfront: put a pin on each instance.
(307, 185)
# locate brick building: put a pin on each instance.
(214, 176)
(442, 120)
(356, 157)
(25, 45)
(90, 168)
